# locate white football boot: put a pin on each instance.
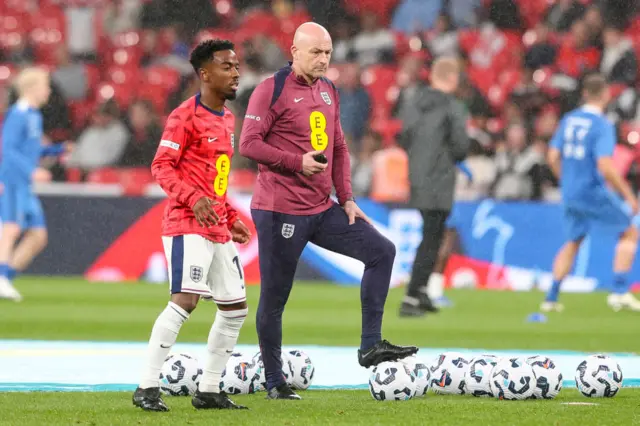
(617, 302)
(551, 307)
(8, 291)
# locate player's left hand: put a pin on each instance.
(240, 233)
(353, 211)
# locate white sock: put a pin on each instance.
(163, 336)
(222, 339)
(435, 289)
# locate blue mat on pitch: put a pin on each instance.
(115, 366)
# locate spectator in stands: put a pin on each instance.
(355, 105)
(595, 25)
(121, 16)
(103, 142)
(528, 96)
(82, 38)
(193, 15)
(410, 84)
(361, 168)
(145, 135)
(374, 44)
(443, 40)
(71, 77)
(177, 58)
(271, 56)
(576, 55)
(344, 30)
(413, 16)
(20, 53)
(149, 44)
(619, 63)
(561, 15)
(505, 14)
(515, 163)
(543, 52)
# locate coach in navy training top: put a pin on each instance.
(292, 130)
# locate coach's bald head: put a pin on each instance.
(311, 51)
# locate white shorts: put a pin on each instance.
(199, 266)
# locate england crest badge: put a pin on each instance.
(195, 273)
(325, 97)
(287, 230)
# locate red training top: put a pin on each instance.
(194, 161)
(286, 118)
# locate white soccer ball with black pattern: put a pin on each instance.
(261, 380)
(599, 376)
(302, 369)
(548, 377)
(239, 375)
(447, 373)
(478, 375)
(512, 379)
(422, 374)
(180, 375)
(392, 381)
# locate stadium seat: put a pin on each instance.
(104, 175)
(382, 8)
(122, 94)
(259, 22)
(48, 30)
(134, 180)
(388, 129)
(379, 80)
(7, 72)
(166, 78)
(242, 180)
(212, 33)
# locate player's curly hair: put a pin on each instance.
(205, 50)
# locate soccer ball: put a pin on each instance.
(261, 380)
(512, 379)
(599, 376)
(180, 375)
(422, 374)
(302, 369)
(238, 375)
(447, 373)
(478, 375)
(548, 377)
(392, 380)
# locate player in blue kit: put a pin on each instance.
(21, 150)
(581, 156)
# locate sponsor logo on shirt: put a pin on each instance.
(170, 144)
(252, 117)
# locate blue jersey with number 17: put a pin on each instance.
(584, 136)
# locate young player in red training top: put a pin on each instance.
(199, 227)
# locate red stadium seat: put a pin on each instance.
(7, 72)
(242, 180)
(380, 81)
(135, 180)
(164, 77)
(212, 33)
(260, 22)
(73, 175)
(48, 31)
(105, 175)
(122, 94)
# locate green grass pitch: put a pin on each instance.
(72, 309)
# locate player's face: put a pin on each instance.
(222, 74)
(42, 91)
(314, 59)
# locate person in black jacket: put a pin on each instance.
(434, 135)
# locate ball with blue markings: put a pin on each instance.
(599, 376)
(392, 381)
(180, 375)
(447, 373)
(512, 379)
(477, 378)
(548, 377)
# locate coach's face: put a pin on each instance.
(313, 56)
(222, 74)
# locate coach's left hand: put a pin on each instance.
(240, 232)
(353, 211)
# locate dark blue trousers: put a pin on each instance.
(281, 239)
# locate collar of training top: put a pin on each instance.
(299, 78)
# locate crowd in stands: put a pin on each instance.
(119, 67)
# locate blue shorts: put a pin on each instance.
(22, 207)
(611, 214)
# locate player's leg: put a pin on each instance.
(363, 242)
(34, 239)
(281, 239)
(435, 285)
(416, 301)
(188, 260)
(576, 227)
(622, 263)
(226, 280)
(11, 212)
